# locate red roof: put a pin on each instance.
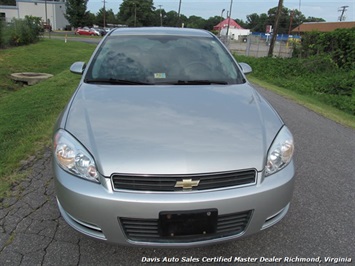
(224, 24)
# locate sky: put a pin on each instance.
(326, 9)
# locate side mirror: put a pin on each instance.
(245, 68)
(78, 67)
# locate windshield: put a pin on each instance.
(163, 60)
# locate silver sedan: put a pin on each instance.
(165, 143)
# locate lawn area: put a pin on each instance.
(28, 113)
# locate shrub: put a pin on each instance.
(319, 76)
(338, 45)
(22, 31)
(1, 33)
(339, 83)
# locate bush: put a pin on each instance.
(318, 76)
(1, 33)
(22, 31)
(338, 45)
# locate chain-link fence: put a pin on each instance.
(257, 46)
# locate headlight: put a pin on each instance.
(280, 152)
(73, 157)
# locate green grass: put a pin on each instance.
(311, 102)
(318, 78)
(27, 114)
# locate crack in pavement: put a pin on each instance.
(32, 231)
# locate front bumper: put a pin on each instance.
(98, 211)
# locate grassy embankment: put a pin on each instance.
(315, 83)
(27, 114)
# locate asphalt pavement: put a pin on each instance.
(319, 226)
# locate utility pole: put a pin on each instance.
(135, 15)
(291, 20)
(220, 23)
(48, 26)
(276, 28)
(342, 9)
(229, 18)
(178, 20)
(104, 14)
(161, 17)
(299, 23)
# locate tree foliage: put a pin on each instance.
(195, 22)
(171, 19)
(289, 19)
(109, 15)
(211, 22)
(76, 12)
(257, 22)
(136, 13)
(21, 31)
(143, 13)
(338, 44)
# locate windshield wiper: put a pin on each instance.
(201, 82)
(116, 81)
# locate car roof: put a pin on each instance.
(161, 31)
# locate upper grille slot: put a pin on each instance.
(166, 183)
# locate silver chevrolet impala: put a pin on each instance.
(165, 143)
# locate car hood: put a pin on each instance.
(172, 129)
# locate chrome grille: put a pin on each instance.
(147, 230)
(167, 182)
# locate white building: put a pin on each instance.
(53, 10)
(232, 27)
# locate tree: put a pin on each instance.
(171, 18)
(211, 22)
(313, 19)
(195, 22)
(257, 23)
(159, 21)
(110, 17)
(76, 12)
(241, 22)
(289, 19)
(137, 13)
(295, 18)
(89, 19)
(283, 20)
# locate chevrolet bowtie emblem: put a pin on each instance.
(187, 184)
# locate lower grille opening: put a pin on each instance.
(147, 230)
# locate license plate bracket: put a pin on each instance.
(187, 223)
